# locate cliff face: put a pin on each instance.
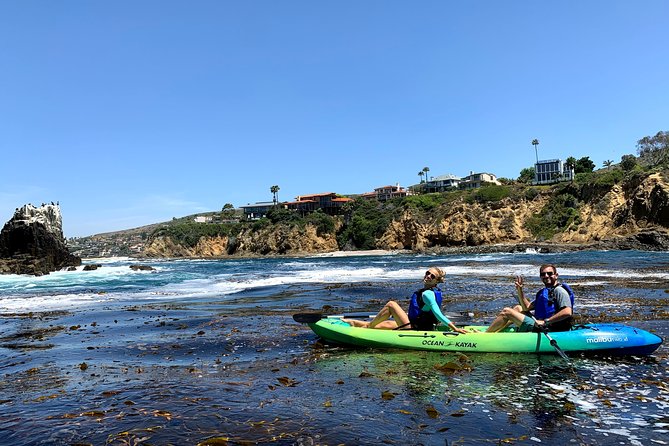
(464, 224)
(267, 241)
(625, 216)
(621, 214)
(32, 242)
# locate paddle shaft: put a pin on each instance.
(310, 318)
(544, 329)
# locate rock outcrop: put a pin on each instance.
(32, 242)
(267, 241)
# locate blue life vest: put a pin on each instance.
(423, 320)
(544, 303)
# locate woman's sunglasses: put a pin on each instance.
(429, 274)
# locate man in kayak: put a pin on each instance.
(424, 309)
(553, 306)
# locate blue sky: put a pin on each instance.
(133, 112)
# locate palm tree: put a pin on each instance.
(426, 170)
(608, 163)
(275, 191)
(420, 174)
(535, 143)
(571, 164)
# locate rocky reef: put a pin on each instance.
(32, 242)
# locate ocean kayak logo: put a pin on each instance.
(600, 339)
(449, 343)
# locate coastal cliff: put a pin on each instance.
(635, 213)
(267, 241)
(632, 214)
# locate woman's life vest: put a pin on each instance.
(544, 302)
(423, 320)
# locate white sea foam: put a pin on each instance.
(49, 302)
(173, 279)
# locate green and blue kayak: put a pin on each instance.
(605, 338)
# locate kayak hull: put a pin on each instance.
(610, 339)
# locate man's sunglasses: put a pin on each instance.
(547, 273)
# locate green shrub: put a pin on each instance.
(189, 233)
(609, 178)
(531, 193)
(282, 215)
(559, 213)
(261, 224)
(424, 202)
(491, 193)
(365, 222)
(324, 223)
(584, 178)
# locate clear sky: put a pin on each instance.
(133, 112)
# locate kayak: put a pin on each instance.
(604, 338)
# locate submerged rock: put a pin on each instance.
(142, 268)
(32, 242)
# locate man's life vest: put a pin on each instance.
(423, 320)
(544, 303)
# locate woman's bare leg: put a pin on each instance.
(356, 323)
(506, 317)
(391, 309)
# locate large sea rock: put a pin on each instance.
(32, 242)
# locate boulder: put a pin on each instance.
(32, 242)
(142, 268)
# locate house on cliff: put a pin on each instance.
(385, 193)
(258, 210)
(552, 171)
(448, 182)
(476, 180)
(329, 202)
(442, 183)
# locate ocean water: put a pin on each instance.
(206, 352)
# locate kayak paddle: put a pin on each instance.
(311, 318)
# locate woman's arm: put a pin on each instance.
(430, 301)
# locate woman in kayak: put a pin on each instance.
(424, 309)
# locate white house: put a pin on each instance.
(552, 171)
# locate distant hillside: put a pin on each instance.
(124, 243)
(127, 242)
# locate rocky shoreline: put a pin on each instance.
(642, 241)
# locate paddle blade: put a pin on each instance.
(559, 350)
(307, 318)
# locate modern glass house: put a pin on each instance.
(552, 171)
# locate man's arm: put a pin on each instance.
(522, 300)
